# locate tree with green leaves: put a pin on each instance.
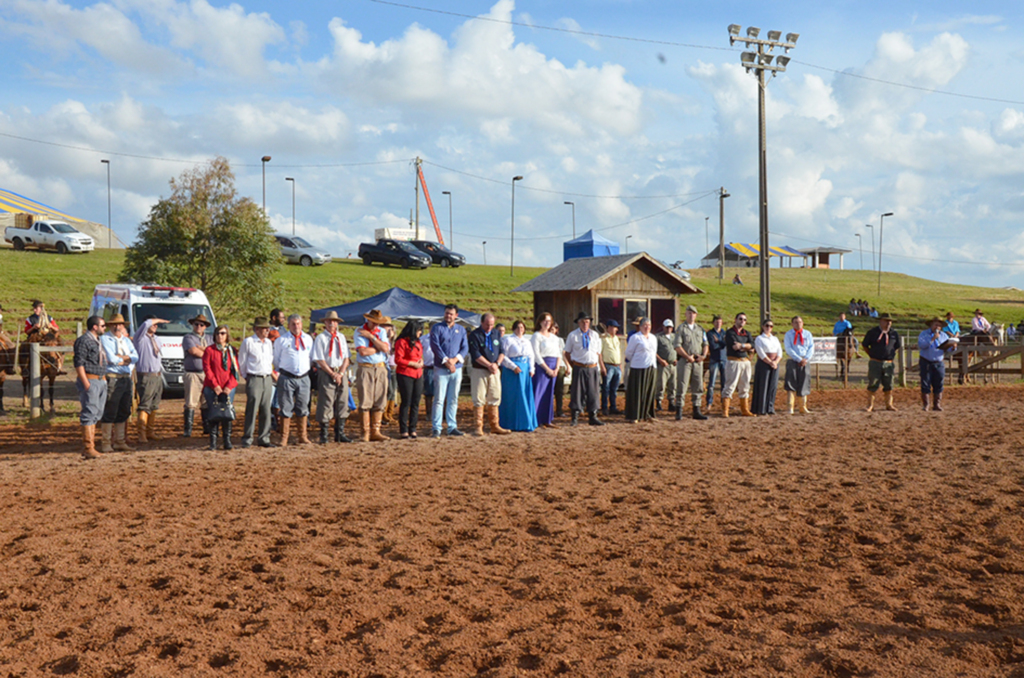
(207, 237)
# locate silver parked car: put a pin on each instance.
(299, 251)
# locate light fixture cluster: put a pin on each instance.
(761, 60)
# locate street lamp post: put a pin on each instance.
(881, 226)
(627, 243)
(265, 159)
(707, 243)
(451, 235)
(860, 245)
(485, 252)
(110, 237)
(291, 179)
(760, 62)
(512, 248)
(872, 245)
(722, 195)
(573, 218)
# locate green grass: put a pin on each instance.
(66, 284)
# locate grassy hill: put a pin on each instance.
(66, 284)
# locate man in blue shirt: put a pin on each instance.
(485, 358)
(799, 346)
(841, 326)
(449, 344)
(121, 357)
(932, 345)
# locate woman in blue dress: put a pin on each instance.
(517, 411)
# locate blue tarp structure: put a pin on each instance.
(589, 244)
(396, 303)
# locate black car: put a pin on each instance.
(397, 252)
(441, 255)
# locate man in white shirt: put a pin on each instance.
(583, 352)
(292, 352)
(256, 367)
(330, 352)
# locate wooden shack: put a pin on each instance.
(620, 287)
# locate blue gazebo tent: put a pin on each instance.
(589, 244)
(400, 305)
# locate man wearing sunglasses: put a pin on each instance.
(90, 371)
(738, 346)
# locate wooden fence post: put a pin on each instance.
(36, 383)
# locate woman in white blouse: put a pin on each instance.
(547, 354)
(641, 384)
(766, 371)
(517, 411)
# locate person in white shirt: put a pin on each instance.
(547, 354)
(799, 346)
(583, 353)
(292, 352)
(331, 355)
(517, 410)
(256, 367)
(766, 372)
(642, 382)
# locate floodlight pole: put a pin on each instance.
(110, 237)
(573, 218)
(292, 179)
(451, 236)
(860, 245)
(881, 226)
(722, 195)
(872, 245)
(707, 243)
(264, 160)
(761, 61)
(512, 248)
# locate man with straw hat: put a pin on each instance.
(372, 348)
(882, 344)
(583, 352)
(90, 372)
(121, 358)
(149, 375)
(256, 366)
(193, 345)
(292, 357)
(932, 344)
(331, 355)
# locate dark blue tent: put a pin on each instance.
(589, 244)
(396, 303)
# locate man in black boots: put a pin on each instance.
(583, 352)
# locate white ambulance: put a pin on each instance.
(137, 303)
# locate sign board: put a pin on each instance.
(824, 351)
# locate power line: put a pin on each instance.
(670, 43)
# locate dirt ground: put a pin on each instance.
(839, 543)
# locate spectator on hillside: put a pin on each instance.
(952, 327)
(736, 280)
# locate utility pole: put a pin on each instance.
(417, 173)
(722, 195)
(706, 242)
(881, 226)
(759, 62)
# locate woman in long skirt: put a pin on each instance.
(766, 371)
(547, 356)
(517, 411)
(641, 384)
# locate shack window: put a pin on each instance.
(609, 308)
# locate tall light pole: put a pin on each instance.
(451, 235)
(872, 245)
(627, 243)
(881, 226)
(722, 195)
(760, 62)
(485, 252)
(293, 202)
(110, 237)
(707, 243)
(860, 244)
(512, 249)
(265, 159)
(573, 218)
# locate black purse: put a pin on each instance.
(220, 410)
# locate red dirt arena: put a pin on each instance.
(839, 543)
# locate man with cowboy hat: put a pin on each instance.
(979, 323)
(331, 355)
(193, 345)
(882, 344)
(611, 355)
(149, 376)
(932, 344)
(121, 358)
(292, 357)
(372, 348)
(583, 352)
(256, 366)
(90, 372)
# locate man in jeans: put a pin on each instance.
(716, 357)
(450, 347)
(667, 360)
(611, 354)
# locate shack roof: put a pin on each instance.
(584, 273)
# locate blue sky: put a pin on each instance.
(636, 133)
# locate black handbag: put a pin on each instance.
(220, 410)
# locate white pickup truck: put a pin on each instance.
(49, 235)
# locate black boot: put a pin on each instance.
(679, 412)
(213, 438)
(697, 414)
(323, 433)
(206, 424)
(594, 421)
(189, 417)
(575, 418)
(339, 432)
(227, 434)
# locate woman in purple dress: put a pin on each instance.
(547, 353)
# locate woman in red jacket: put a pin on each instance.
(409, 366)
(221, 366)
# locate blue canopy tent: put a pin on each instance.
(396, 303)
(589, 244)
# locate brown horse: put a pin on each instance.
(968, 340)
(845, 351)
(51, 365)
(7, 365)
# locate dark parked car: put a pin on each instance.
(398, 252)
(441, 255)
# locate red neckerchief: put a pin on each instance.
(334, 338)
(800, 337)
(299, 344)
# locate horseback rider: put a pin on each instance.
(40, 320)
